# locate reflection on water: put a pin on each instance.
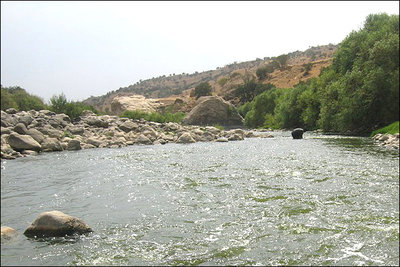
(322, 200)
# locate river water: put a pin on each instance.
(322, 200)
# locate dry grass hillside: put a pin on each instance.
(176, 91)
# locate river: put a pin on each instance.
(322, 200)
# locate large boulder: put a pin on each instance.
(35, 134)
(185, 138)
(74, 145)
(212, 110)
(20, 128)
(128, 126)
(96, 121)
(25, 119)
(51, 144)
(23, 142)
(142, 139)
(55, 223)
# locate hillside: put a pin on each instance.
(165, 90)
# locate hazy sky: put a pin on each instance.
(90, 48)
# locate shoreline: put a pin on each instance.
(32, 132)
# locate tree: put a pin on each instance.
(203, 89)
(282, 59)
(58, 103)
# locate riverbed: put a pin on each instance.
(321, 200)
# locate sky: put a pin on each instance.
(85, 49)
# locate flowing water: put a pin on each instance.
(322, 200)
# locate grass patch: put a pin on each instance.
(219, 127)
(390, 129)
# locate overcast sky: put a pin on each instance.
(90, 48)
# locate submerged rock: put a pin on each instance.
(56, 223)
(7, 233)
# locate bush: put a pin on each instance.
(17, 97)
(60, 104)
(222, 81)
(203, 89)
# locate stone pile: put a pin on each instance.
(31, 132)
(387, 140)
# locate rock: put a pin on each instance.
(172, 126)
(235, 137)
(96, 121)
(51, 144)
(87, 113)
(185, 138)
(8, 120)
(50, 131)
(35, 134)
(23, 142)
(297, 133)
(25, 119)
(76, 130)
(142, 139)
(20, 128)
(74, 145)
(94, 142)
(29, 152)
(56, 224)
(212, 110)
(120, 104)
(7, 233)
(5, 130)
(47, 112)
(128, 126)
(11, 111)
(222, 139)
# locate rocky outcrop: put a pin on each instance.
(211, 110)
(387, 140)
(49, 132)
(56, 224)
(120, 104)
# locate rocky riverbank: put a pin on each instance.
(31, 132)
(387, 140)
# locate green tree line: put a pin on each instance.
(17, 97)
(357, 94)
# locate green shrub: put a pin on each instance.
(390, 129)
(17, 97)
(203, 89)
(60, 104)
(219, 127)
(222, 81)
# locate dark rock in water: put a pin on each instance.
(55, 223)
(297, 133)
